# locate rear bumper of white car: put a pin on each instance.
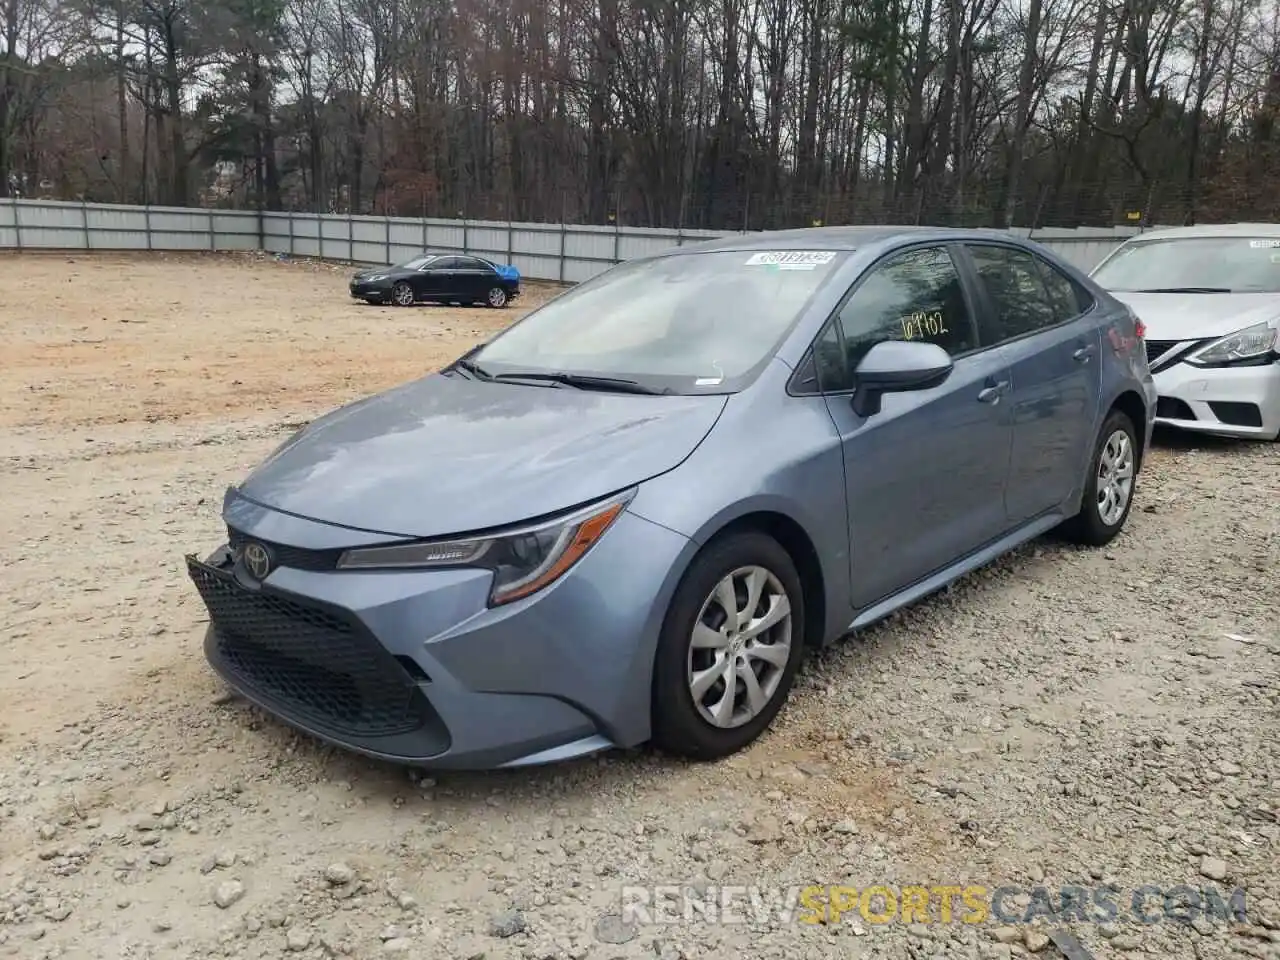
(1225, 401)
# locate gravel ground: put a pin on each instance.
(1065, 717)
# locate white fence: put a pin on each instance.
(541, 251)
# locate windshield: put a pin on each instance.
(690, 321)
(417, 264)
(1231, 264)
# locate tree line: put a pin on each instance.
(723, 114)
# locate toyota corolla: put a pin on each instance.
(626, 517)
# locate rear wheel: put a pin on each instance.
(497, 298)
(730, 648)
(1108, 493)
(402, 295)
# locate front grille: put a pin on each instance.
(315, 663)
(1157, 348)
(1237, 413)
(1171, 408)
(286, 556)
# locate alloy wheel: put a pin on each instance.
(740, 647)
(403, 295)
(1115, 477)
(497, 297)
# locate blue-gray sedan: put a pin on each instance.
(626, 517)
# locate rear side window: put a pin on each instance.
(1083, 297)
(1020, 301)
(1062, 291)
(914, 295)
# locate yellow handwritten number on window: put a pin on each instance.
(921, 324)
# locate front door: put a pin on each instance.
(1054, 352)
(925, 477)
(444, 278)
(429, 281)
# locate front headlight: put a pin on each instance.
(523, 560)
(375, 278)
(1251, 343)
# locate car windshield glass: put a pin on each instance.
(417, 264)
(692, 322)
(1233, 264)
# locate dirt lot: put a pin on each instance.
(1065, 717)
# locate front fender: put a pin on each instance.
(790, 466)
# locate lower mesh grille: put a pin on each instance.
(316, 664)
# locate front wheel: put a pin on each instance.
(497, 298)
(1108, 492)
(402, 295)
(730, 648)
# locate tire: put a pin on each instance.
(402, 295)
(682, 725)
(1094, 525)
(496, 298)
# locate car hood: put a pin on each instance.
(1196, 316)
(380, 272)
(445, 455)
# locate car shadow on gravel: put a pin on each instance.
(1174, 440)
(336, 764)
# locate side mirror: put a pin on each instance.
(896, 366)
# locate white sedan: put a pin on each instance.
(1209, 298)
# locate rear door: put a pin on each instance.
(1054, 349)
(475, 277)
(925, 476)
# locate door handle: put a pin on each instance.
(993, 393)
(1083, 355)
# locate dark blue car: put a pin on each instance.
(439, 278)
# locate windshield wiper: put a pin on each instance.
(585, 381)
(473, 368)
(1185, 290)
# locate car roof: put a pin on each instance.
(1219, 230)
(840, 238)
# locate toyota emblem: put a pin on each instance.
(256, 560)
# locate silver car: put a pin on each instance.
(1209, 298)
(626, 517)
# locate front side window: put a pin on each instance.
(692, 322)
(1020, 301)
(914, 295)
(1194, 265)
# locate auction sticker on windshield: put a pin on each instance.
(1264, 244)
(791, 259)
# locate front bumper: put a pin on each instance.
(413, 667)
(369, 291)
(1224, 401)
